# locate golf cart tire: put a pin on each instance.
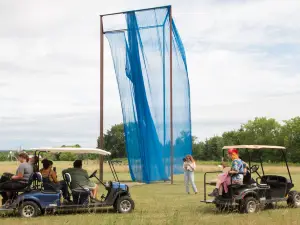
(249, 205)
(224, 208)
(271, 205)
(29, 209)
(124, 204)
(293, 200)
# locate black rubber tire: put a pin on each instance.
(249, 205)
(29, 209)
(270, 206)
(219, 207)
(222, 208)
(293, 200)
(124, 204)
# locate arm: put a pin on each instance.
(54, 176)
(20, 173)
(245, 165)
(193, 165)
(234, 168)
(86, 175)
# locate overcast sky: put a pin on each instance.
(243, 61)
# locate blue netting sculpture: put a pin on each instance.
(141, 56)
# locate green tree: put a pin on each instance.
(261, 131)
(114, 141)
(291, 138)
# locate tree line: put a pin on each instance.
(260, 131)
(5, 156)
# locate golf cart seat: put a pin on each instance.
(80, 194)
(29, 185)
(49, 186)
(237, 186)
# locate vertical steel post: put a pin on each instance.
(171, 95)
(101, 97)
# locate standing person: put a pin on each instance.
(189, 167)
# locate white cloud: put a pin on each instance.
(242, 59)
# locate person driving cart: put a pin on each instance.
(234, 175)
(17, 181)
(80, 178)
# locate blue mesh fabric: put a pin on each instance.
(141, 56)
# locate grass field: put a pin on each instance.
(162, 203)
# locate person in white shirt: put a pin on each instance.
(189, 167)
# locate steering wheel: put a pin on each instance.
(93, 174)
(254, 168)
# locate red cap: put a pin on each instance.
(233, 150)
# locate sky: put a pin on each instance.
(242, 56)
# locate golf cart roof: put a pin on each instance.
(73, 150)
(254, 147)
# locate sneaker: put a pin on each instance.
(214, 193)
(94, 200)
(196, 193)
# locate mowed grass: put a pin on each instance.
(163, 203)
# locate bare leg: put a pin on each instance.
(218, 184)
(94, 191)
(221, 190)
(217, 189)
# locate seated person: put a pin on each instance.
(50, 177)
(80, 178)
(235, 174)
(33, 161)
(20, 180)
(226, 169)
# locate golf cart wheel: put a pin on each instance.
(250, 205)
(270, 206)
(124, 204)
(222, 208)
(293, 199)
(29, 209)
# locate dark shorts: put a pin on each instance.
(12, 185)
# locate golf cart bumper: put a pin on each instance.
(221, 201)
(117, 185)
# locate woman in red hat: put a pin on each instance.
(235, 174)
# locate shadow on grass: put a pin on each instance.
(212, 210)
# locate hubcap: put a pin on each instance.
(297, 200)
(125, 205)
(251, 206)
(28, 211)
